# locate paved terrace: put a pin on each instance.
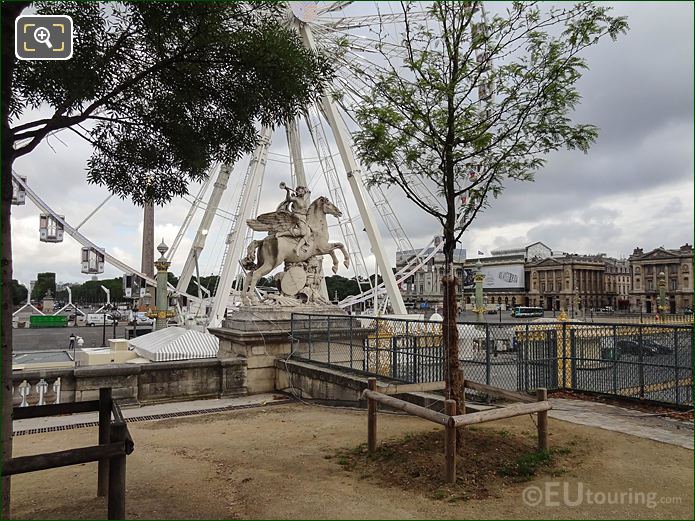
(592, 414)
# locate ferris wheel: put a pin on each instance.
(355, 36)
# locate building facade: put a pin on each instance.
(571, 282)
(677, 266)
(534, 275)
(424, 289)
(617, 283)
(504, 269)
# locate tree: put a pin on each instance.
(45, 282)
(19, 293)
(443, 114)
(161, 90)
(343, 286)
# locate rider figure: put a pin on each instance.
(297, 203)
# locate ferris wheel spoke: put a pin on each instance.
(334, 6)
(360, 22)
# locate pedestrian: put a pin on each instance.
(80, 342)
(72, 341)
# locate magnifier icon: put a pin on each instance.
(43, 35)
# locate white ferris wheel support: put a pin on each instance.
(218, 190)
(299, 174)
(235, 244)
(354, 176)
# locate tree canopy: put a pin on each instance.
(471, 102)
(163, 89)
(45, 282)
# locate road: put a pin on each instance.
(48, 339)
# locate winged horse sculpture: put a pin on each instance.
(287, 240)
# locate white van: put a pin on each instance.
(97, 319)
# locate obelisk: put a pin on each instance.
(147, 263)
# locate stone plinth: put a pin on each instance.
(260, 335)
(48, 304)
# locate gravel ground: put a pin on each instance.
(282, 463)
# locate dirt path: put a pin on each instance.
(278, 463)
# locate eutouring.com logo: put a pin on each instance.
(564, 493)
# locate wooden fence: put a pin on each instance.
(115, 443)
(451, 421)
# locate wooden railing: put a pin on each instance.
(115, 443)
(451, 421)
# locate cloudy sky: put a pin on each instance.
(634, 187)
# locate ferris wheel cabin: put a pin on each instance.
(19, 194)
(134, 286)
(50, 228)
(92, 261)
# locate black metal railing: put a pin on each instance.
(645, 361)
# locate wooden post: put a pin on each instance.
(463, 399)
(371, 417)
(450, 443)
(104, 437)
(541, 396)
(116, 485)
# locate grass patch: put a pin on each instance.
(489, 461)
(526, 465)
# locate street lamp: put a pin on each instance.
(575, 304)
(662, 294)
(103, 326)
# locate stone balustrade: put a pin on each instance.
(36, 392)
(132, 383)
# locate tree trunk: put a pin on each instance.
(9, 14)
(450, 332)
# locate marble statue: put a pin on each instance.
(298, 237)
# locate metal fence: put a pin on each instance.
(647, 361)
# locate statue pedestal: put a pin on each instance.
(261, 334)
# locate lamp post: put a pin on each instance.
(103, 326)
(479, 278)
(575, 304)
(162, 295)
(662, 294)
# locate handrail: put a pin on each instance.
(63, 458)
(56, 409)
(410, 408)
(499, 414)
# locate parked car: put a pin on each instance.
(659, 348)
(141, 319)
(631, 347)
(687, 311)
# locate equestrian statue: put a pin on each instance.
(298, 237)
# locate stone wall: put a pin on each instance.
(312, 381)
(136, 384)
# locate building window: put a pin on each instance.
(685, 282)
(674, 284)
(422, 288)
(543, 287)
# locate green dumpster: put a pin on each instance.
(48, 321)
